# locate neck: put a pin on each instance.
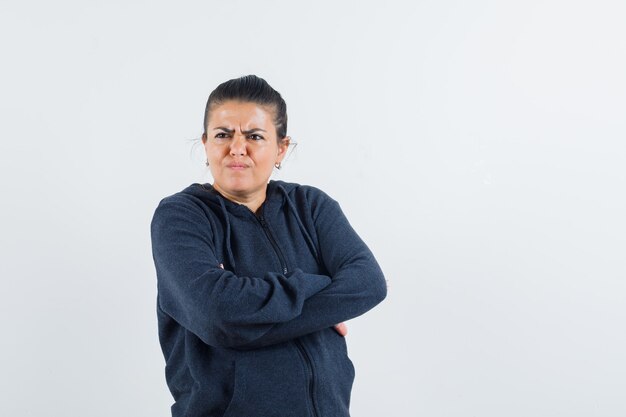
(252, 200)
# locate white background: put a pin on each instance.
(476, 146)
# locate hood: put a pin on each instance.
(278, 196)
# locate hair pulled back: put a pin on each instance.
(252, 89)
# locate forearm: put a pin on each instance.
(348, 296)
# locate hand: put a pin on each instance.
(341, 328)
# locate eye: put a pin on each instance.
(221, 136)
(255, 137)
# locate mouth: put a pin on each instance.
(237, 166)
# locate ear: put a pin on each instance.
(282, 148)
(204, 138)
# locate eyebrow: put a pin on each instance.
(231, 131)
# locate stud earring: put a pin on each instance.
(207, 162)
(278, 165)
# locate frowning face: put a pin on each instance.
(242, 148)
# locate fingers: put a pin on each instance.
(341, 328)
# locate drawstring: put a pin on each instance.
(231, 258)
(292, 209)
(306, 234)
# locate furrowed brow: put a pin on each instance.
(245, 132)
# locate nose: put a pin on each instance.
(238, 146)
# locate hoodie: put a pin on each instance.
(246, 303)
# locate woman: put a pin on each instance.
(255, 277)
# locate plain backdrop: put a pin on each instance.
(478, 147)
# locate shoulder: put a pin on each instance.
(188, 201)
(307, 198)
(302, 191)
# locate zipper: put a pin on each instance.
(270, 237)
(303, 352)
(310, 374)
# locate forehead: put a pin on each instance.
(238, 113)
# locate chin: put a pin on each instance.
(238, 187)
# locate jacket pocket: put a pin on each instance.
(239, 388)
(334, 369)
(346, 357)
(269, 382)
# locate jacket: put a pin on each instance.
(246, 303)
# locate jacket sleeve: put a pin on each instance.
(222, 309)
(358, 283)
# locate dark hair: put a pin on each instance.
(252, 89)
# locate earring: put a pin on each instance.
(207, 162)
(278, 165)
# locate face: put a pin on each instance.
(242, 148)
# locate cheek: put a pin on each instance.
(213, 153)
(267, 161)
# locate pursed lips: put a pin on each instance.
(237, 166)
